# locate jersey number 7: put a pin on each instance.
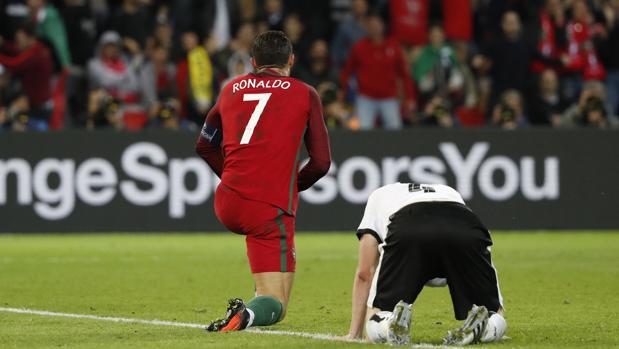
(262, 99)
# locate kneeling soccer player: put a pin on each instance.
(252, 139)
(413, 235)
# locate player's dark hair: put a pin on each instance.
(271, 49)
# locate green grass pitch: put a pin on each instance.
(561, 290)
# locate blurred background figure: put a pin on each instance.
(235, 59)
(550, 35)
(113, 82)
(162, 37)
(591, 109)
(133, 21)
(166, 116)
(158, 81)
(295, 31)
(379, 66)
(580, 57)
(547, 105)
(317, 68)
(31, 63)
(507, 57)
(103, 111)
(81, 30)
(318, 71)
(50, 27)
(508, 113)
(436, 70)
(437, 113)
(195, 79)
(350, 30)
(273, 14)
(610, 54)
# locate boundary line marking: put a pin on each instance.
(100, 318)
(317, 336)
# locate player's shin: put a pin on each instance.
(264, 311)
(495, 329)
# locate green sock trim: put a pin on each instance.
(267, 310)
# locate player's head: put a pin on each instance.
(272, 49)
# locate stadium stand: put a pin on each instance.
(138, 64)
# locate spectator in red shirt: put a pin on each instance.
(33, 65)
(551, 37)
(378, 63)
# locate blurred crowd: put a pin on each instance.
(140, 64)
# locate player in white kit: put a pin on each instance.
(415, 235)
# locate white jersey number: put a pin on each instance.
(262, 99)
(415, 187)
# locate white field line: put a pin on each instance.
(318, 336)
(100, 318)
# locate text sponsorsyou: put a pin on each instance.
(471, 170)
(144, 175)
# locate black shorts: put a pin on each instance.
(437, 239)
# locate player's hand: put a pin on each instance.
(350, 337)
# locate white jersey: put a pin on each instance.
(389, 199)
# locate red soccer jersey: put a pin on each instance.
(264, 119)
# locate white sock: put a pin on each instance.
(251, 317)
(495, 329)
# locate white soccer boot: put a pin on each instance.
(400, 327)
(472, 329)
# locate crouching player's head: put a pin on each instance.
(272, 49)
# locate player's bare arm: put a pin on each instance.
(366, 267)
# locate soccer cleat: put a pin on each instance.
(400, 326)
(236, 318)
(472, 330)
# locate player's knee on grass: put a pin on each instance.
(264, 311)
(284, 311)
